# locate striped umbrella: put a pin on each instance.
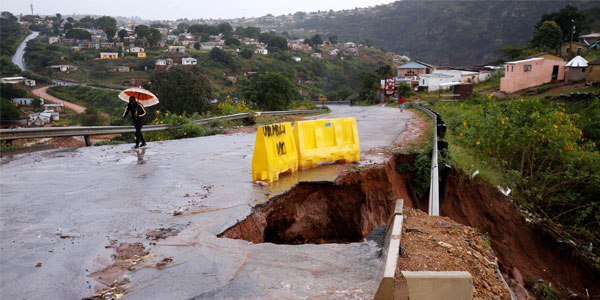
(144, 97)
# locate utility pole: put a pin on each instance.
(31, 9)
(572, 33)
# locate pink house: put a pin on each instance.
(522, 74)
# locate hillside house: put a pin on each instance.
(301, 47)
(591, 38)
(55, 107)
(17, 81)
(136, 49)
(53, 39)
(63, 68)
(189, 61)
(575, 47)
(141, 54)
(109, 55)
(334, 52)
(21, 101)
(297, 59)
(413, 69)
(107, 45)
(210, 45)
(163, 62)
(434, 82)
(546, 55)
(576, 68)
(522, 74)
(593, 75)
(316, 55)
(176, 49)
(119, 69)
(349, 45)
(460, 75)
(261, 51)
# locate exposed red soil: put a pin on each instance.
(126, 255)
(342, 211)
(440, 244)
(526, 252)
(43, 92)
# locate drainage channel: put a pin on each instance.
(343, 211)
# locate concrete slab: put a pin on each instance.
(429, 285)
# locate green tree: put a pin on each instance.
(8, 16)
(404, 90)
(86, 22)
(384, 71)
(333, 39)
(252, 32)
(105, 22)
(36, 103)
(231, 41)
(368, 83)
(110, 32)
(8, 91)
(122, 34)
(219, 56)
(180, 90)
(79, 34)
(183, 27)
(7, 67)
(564, 19)
(271, 91)
(7, 110)
(548, 36)
(225, 29)
(246, 53)
(68, 26)
(317, 40)
(277, 43)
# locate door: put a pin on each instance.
(555, 73)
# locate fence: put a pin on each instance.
(87, 131)
(434, 190)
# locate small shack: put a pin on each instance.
(576, 68)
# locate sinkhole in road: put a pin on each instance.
(342, 211)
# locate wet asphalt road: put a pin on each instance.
(17, 58)
(96, 194)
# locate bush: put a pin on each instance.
(542, 151)
(180, 126)
(229, 107)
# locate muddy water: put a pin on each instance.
(92, 196)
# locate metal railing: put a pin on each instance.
(434, 189)
(87, 131)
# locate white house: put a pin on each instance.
(432, 81)
(176, 49)
(164, 62)
(136, 49)
(334, 52)
(187, 61)
(261, 51)
(210, 45)
(460, 75)
(350, 45)
(296, 58)
(316, 55)
(53, 39)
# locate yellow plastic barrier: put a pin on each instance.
(274, 152)
(330, 140)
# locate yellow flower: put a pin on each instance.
(460, 134)
(465, 123)
(167, 114)
(478, 143)
(161, 122)
(555, 126)
(158, 111)
(185, 133)
(522, 100)
(502, 121)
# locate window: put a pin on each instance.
(578, 50)
(527, 68)
(583, 70)
(568, 49)
(410, 73)
(591, 69)
(512, 68)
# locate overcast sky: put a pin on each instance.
(173, 9)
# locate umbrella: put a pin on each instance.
(144, 97)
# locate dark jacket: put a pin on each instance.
(141, 111)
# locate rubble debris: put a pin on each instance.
(444, 245)
(38, 265)
(161, 264)
(163, 233)
(377, 235)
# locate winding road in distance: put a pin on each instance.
(17, 59)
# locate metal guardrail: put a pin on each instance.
(434, 189)
(87, 131)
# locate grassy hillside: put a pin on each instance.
(440, 32)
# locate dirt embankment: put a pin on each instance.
(440, 244)
(526, 252)
(342, 211)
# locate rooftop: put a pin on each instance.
(412, 65)
(577, 61)
(524, 60)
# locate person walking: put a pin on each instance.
(401, 104)
(137, 115)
